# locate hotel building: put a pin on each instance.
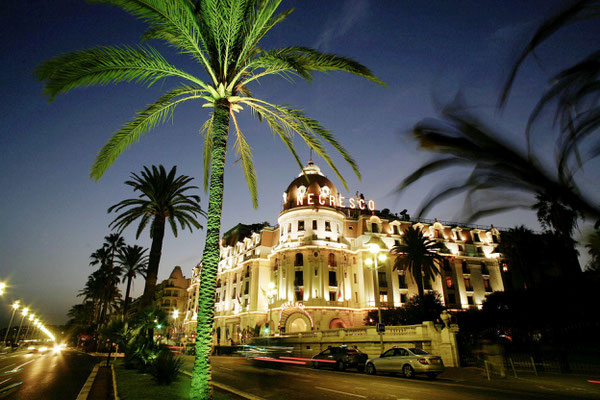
(314, 270)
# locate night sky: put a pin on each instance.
(54, 216)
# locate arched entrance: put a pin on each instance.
(293, 318)
(297, 322)
(337, 323)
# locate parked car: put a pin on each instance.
(340, 358)
(408, 361)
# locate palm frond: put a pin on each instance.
(157, 113)
(286, 122)
(243, 150)
(170, 20)
(104, 65)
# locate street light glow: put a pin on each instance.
(369, 262)
(25, 311)
(374, 248)
(175, 314)
(15, 305)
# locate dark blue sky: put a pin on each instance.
(53, 216)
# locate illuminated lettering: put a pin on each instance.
(352, 202)
(322, 200)
(331, 201)
(341, 201)
(299, 200)
(310, 200)
(371, 205)
(361, 204)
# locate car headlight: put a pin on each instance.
(43, 348)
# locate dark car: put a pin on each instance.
(340, 358)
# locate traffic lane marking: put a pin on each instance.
(340, 392)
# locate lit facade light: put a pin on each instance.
(175, 314)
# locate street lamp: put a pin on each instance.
(14, 306)
(31, 318)
(271, 292)
(24, 313)
(375, 250)
(2, 287)
(175, 316)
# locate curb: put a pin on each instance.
(87, 386)
(114, 382)
(227, 388)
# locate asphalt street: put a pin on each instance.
(48, 376)
(271, 381)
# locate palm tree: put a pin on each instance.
(113, 243)
(133, 261)
(162, 199)
(574, 90)
(223, 36)
(418, 255)
(502, 177)
(101, 288)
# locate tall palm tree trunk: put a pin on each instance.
(158, 234)
(201, 379)
(419, 279)
(126, 305)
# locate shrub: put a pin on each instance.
(165, 368)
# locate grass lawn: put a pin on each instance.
(134, 385)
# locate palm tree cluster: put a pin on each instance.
(223, 37)
(116, 261)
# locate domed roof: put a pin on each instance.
(310, 188)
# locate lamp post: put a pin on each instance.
(375, 250)
(2, 287)
(24, 313)
(31, 318)
(175, 316)
(271, 292)
(15, 307)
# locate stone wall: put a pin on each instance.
(431, 338)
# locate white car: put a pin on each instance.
(407, 360)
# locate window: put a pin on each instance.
(389, 353)
(276, 267)
(495, 239)
(327, 226)
(331, 260)
(374, 227)
(333, 278)
(486, 284)
(354, 260)
(383, 297)
(470, 300)
(299, 294)
(402, 280)
(403, 298)
(355, 281)
(449, 283)
(465, 268)
(476, 237)
(332, 296)
(299, 278)
(396, 242)
(314, 224)
(289, 229)
(451, 298)
(356, 297)
(395, 228)
(233, 293)
(247, 288)
(316, 271)
(484, 269)
(382, 279)
(299, 261)
(468, 285)
(300, 225)
(436, 233)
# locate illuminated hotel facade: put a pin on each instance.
(312, 272)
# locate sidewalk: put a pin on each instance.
(99, 385)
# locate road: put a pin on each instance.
(288, 382)
(48, 376)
